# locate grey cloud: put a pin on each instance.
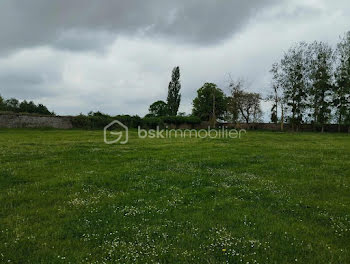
(29, 83)
(142, 40)
(20, 79)
(78, 40)
(294, 13)
(24, 85)
(60, 22)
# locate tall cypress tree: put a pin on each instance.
(174, 96)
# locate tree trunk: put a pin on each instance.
(214, 108)
(282, 120)
(339, 121)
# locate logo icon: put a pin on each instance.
(118, 136)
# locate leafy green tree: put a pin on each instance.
(242, 105)
(12, 104)
(27, 107)
(274, 114)
(293, 80)
(320, 56)
(341, 91)
(97, 114)
(248, 105)
(209, 97)
(174, 96)
(42, 109)
(233, 113)
(159, 108)
(2, 104)
(276, 97)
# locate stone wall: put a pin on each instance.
(34, 121)
(202, 125)
(265, 126)
(9, 120)
(287, 127)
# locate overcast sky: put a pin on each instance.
(116, 56)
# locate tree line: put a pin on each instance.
(311, 84)
(14, 105)
(211, 103)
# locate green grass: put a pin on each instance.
(66, 197)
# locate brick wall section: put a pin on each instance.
(32, 121)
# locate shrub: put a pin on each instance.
(152, 122)
(176, 120)
(99, 120)
(129, 121)
(91, 121)
(81, 121)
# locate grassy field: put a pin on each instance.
(66, 197)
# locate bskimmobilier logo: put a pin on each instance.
(117, 132)
(121, 137)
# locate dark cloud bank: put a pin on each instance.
(116, 56)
